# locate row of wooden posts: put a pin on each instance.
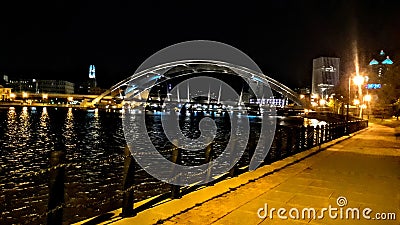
(297, 139)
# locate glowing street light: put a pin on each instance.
(24, 95)
(322, 102)
(70, 99)
(45, 96)
(302, 96)
(12, 95)
(358, 80)
(356, 102)
(367, 98)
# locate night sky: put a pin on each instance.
(60, 39)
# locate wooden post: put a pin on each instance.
(175, 158)
(322, 136)
(302, 137)
(289, 141)
(56, 188)
(317, 130)
(128, 183)
(233, 171)
(208, 158)
(310, 136)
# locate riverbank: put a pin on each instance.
(314, 178)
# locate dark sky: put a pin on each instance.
(60, 39)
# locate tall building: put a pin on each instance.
(92, 78)
(325, 75)
(379, 65)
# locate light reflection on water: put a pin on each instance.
(90, 139)
(26, 138)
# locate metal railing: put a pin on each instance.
(288, 141)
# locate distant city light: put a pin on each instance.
(24, 95)
(356, 102)
(70, 99)
(302, 96)
(367, 98)
(45, 96)
(322, 102)
(12, 95)
(92, 72)
(373, 86)
(387, 61)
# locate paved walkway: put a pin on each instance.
(365, 169)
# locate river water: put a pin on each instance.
(94, 143)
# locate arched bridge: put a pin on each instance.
(146, 79)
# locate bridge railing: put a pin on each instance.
(288, 141)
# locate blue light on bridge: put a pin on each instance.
(257, 79)
(155, 77)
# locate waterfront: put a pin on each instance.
(94, 144)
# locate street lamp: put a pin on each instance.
(359, 80)
(322, 102)
(368, 98)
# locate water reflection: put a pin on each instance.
(95, 141)
(12, 128)
(68, 130)
(24, 132)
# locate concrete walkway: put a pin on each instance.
(364, 169)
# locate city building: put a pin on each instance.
(379, 65)
(20, 85)
(55, 86)
(92, 84)
(325, 76)
(88, 86)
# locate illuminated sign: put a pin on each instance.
(92, 72)
(373, 86)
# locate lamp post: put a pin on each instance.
(359, 80)
(367, 98)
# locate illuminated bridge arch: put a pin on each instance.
(148, 78)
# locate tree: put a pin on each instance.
(390, 90)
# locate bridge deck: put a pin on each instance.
(364, 168)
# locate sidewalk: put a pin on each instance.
(364, 168)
